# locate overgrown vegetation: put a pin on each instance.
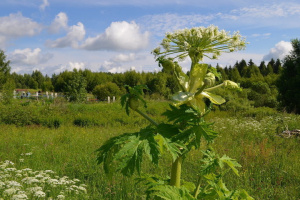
(269, 168)
(185, 128)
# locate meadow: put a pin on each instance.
(63, 137)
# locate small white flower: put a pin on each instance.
(10, 169)
(60, 197)
(82, 189)
(2, 184)
(19, 197)
(34, 189)
(49, 171)
(13, 184)
(10, 191)
(39, 194)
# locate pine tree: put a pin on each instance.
(269, 69)
(277, 67)
(289, 80)
(263, 68)
(242, 67)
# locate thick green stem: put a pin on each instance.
(146, 117)
(176, 172)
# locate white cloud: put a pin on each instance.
(60, 22)
(118, 36)
(75, 65)
(280, 50)
(162, 23)
(261, 35)
(75, 34)
(15, 26)
(29, 57)
(279, 15)
(44, 4)
(70, 66)
(125, 57)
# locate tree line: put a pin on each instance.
(267, 84)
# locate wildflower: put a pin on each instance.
(13, 184)
(34, 189)
(10, 191)
(39, 194)
(49, 171)
(19, 197)
(60, 197)
(82, 189)
(2, 184)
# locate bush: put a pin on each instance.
(85, 122)
(19, 115)
(52, 122)
(108, 89)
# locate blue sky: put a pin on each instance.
(115, 36)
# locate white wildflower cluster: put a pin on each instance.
(266, 126)
(17, 184)
(198, 42)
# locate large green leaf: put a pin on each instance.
(232, 163)
(170, 146)
(125, 153)
(182, 114)
(169, 192)
(215, 99)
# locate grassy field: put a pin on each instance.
(270, 164)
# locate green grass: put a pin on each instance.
(270, 164)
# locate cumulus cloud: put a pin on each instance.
(75, 34)
(59, 23)
(70, 66)
(44, 4)
(280, 50)
(162, 23)
(15, 26)
(29, 56)
(119, 36)
(125, 57)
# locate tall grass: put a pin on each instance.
(270, 163)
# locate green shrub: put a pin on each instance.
(110, 89)
(53, 122)
(85, 122)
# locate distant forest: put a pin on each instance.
(273, 84)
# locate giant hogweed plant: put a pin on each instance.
(185, 128)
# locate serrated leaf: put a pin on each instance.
(125, 152)
(232, 163)
(169, 192)
(167, 130)
(168, 145)
(181, 114)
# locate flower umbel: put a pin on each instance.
(200, 42)
(197, 43)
